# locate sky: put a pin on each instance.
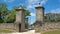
(52, 6)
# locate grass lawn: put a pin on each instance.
(52, 32)
(5, 31)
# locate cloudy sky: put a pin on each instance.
(49, 5)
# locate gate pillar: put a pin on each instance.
(39, 17)
(20, 19)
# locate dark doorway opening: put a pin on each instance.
(19, 27)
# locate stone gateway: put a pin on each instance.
(39, 25)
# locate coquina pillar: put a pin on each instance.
(20, 19)
(39, 17)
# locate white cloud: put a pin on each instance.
(29, 6)
(34, 3)
(9, 0)
(43, 2)
(32, 14)
(54, 11)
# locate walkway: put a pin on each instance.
(28, 32)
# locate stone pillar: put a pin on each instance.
(39, 14)
(39, 17)
(20, 19)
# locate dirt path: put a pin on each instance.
(28, 32)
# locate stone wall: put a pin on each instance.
(49, 26)
(11, 26)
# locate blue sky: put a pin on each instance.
(52, 6)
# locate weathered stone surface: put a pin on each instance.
(50, 26)
(20, 19)
(39, 18)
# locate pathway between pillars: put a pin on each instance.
(28, 32)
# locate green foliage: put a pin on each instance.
(26, 23)
(15, 7)
(3, 11)
(52, 20)
(27, 13)
(23, 7)
(1, 20)
(2, 6)
(58, 19)
(10, 18)
(52, 17)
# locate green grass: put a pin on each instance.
(52, 32)
(5, 31)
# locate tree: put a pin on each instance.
(10, 18)
(3, 11)
(52, 17)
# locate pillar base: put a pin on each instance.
(37, 26)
